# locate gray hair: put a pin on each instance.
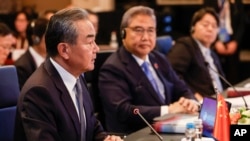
(136, 10)
(61, 28)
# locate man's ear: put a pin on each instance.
(63, 50)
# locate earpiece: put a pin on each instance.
(35, 39)
(192, 29)
(123, 34)
(35, 31)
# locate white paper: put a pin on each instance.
(238, 101)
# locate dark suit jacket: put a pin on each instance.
(46, 112)
(123, 87)
(25, 65)
(187, 60)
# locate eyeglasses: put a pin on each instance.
(7, 47)
(140, 30)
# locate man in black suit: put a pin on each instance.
(49, 105)
(124, 86)
(35, 54)
(192, 57)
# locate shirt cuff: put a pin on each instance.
(164, 110)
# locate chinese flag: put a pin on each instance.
(222, 121)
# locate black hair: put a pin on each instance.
(198, 15)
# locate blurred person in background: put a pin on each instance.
(194, 60)
(48, 14)
(21, 22)
(94, 19)
(7, 42)
(36, 53)
(232, 25)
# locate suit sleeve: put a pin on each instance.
(180, 58)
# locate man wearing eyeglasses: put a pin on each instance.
(7, 40)
(136, 76)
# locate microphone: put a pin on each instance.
(137, 112)
(227, 82)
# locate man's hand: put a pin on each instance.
(113, 138)
(189, 105)
(176, 107)
(226, 49)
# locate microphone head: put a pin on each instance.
(206, 64)
(136, 111)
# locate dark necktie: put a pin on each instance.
(79, 99)
(152, 80)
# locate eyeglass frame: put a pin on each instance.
(6, 47)
(141, 31)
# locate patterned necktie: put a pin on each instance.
(145, 67)
(79, 99)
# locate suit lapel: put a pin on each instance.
(65, 96)
(135, 70)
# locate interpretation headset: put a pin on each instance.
(36, 30)
(123, 33)
(35, 38)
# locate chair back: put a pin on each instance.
(164, 44)
(9, 92)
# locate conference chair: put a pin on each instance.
(9, 92)
(164, 44)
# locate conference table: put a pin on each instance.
(241, 84)
(146, 134)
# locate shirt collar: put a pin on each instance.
(141, 61)
(204, 50)
(68, 79)
(37, 57)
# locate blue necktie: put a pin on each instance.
(79, 98)
(145, 67)
(214, 76)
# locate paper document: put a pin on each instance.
(238, 101)
(173, 123)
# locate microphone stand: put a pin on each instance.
(228, 83)
(136, 111)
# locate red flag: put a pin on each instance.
(222, 120)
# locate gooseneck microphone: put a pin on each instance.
(137, 112)
(227, 82)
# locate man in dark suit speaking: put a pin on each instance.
(137, 77)
(54, 104)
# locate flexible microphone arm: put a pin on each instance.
(137, 112)
(228, 83)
